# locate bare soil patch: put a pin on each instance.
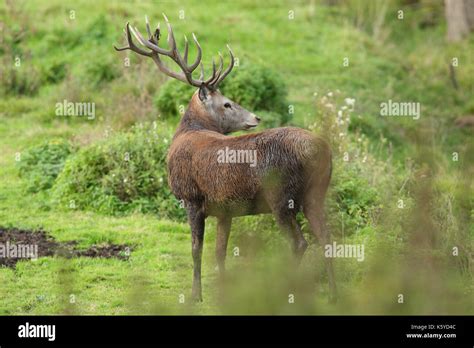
(45, 245)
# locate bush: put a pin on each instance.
(55, 72)
(354, 198)
(171, 95)
(272, 119)
(122, 174)
(254, 87)
(40, 165)
(24, 80)
(101, 71)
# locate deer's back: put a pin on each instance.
(287, 155)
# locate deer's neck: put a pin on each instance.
(195, 118)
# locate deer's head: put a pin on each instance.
(227, 115)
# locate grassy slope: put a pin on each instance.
(308, 51)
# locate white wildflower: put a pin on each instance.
(350, 101)
(329, 105)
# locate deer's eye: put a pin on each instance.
(227, 105)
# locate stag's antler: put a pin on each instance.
(187, 70)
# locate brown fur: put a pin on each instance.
(292, 165)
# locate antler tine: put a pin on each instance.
(199, 54)
(138, 35)
(157, 33)
(228, 70)
(201, 75)
(131, 46)
(171, 40)
(175, 55)
(219, 70)
(149, 44)
(186, 48)
(206, 82)
(148, 30)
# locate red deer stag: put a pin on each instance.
(285, 170)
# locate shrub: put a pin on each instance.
(101, 71)
(256, 88)
(122, 174)
(40, 165)
(272, 119)
(55, 72)
(171, 95)
(354, 199)
(98, 29)
(24, 80)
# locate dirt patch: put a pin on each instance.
(16, 244)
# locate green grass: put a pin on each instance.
(409, 64)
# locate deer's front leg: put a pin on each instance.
(196, 218)
(223, 231)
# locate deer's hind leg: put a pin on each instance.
(313, 209)
(222, 238)
(289, 224)
(285, 209)
(196, 218)
(282, 201)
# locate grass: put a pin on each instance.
(409, 64)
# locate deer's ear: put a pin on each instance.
(203, 93)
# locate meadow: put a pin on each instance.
(402, 187)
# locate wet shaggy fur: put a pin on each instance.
(292, 173)
(286, 159)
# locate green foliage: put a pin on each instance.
(122, 174)
(23, 80)
(100, 71)
(55, 71)
(272, 119)
(98, 29)
(40, 165)
(172, 94)
(354, 198)
(256, 88)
